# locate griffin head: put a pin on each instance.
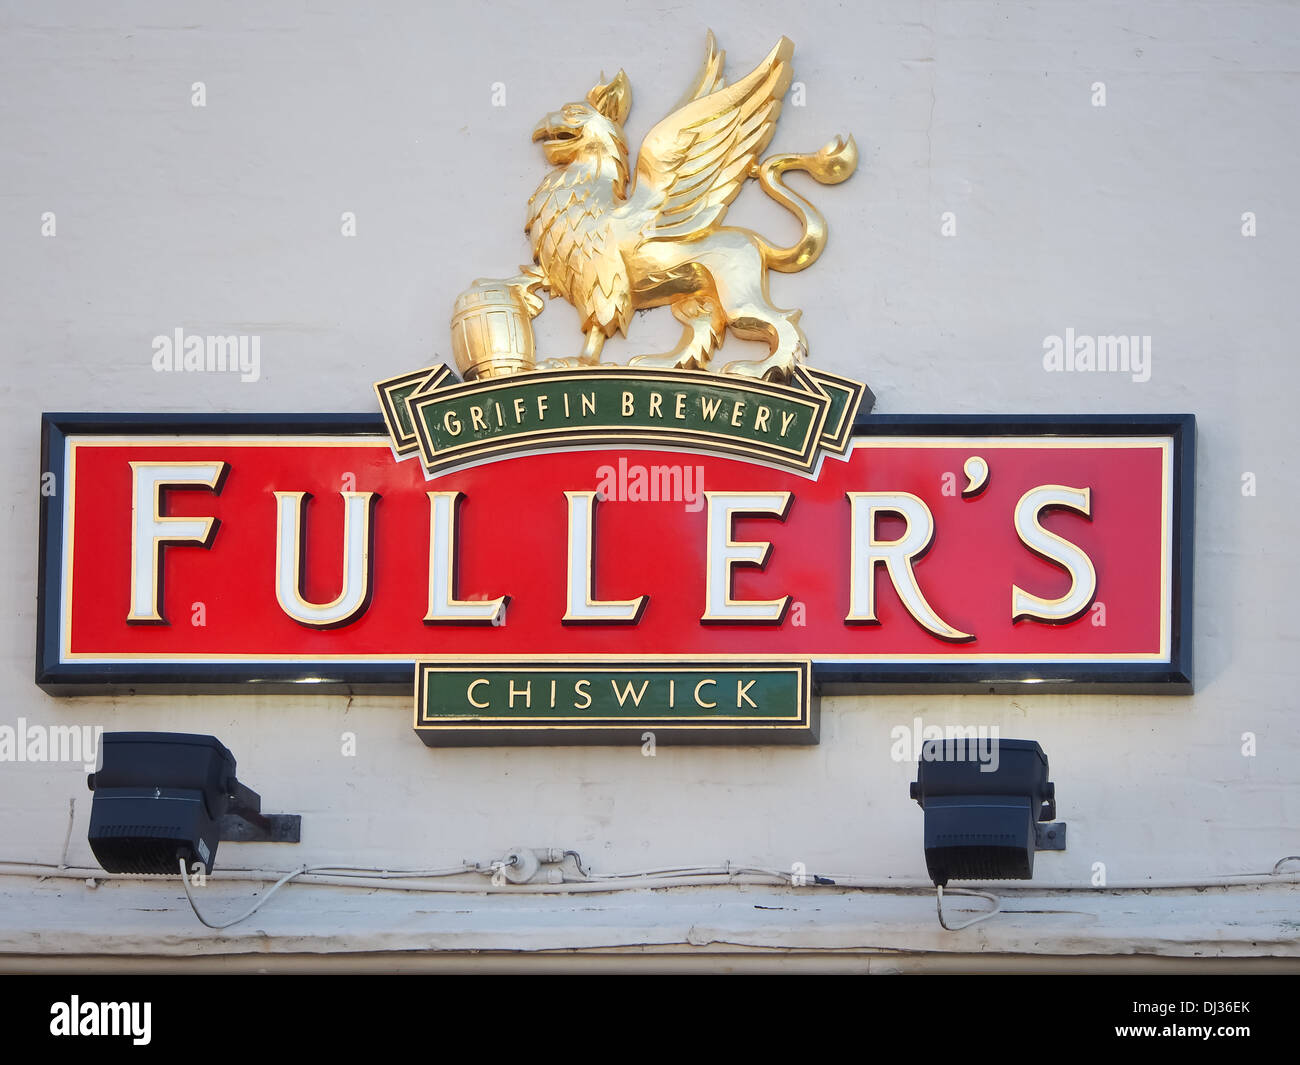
(593, 126)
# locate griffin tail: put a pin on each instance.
(830, 166)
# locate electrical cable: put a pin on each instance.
(680, 876)
(693, 870)
(394, 874)
(247, 913)
(645, 879)
(938, 905)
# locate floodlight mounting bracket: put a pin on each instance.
(244, 822)
(1048, 837)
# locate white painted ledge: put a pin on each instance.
(124, 919)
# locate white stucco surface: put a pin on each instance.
(1124, 218)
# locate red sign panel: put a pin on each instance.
(973, 553)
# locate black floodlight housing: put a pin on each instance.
(983, 801)
(165, 796)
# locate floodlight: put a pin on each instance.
(161, 797)
(983, 802)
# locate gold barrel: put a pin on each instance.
(491, 330)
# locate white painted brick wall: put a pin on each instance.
(1124, 218)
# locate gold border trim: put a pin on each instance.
(1164, 443)
(803, 457)
(800, 667)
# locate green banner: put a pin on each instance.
(451, 425)
(602, 700)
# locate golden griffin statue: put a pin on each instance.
(612, 240)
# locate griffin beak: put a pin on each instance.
(554, 130)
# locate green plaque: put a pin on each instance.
(490, 700)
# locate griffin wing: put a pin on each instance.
(709, 79)
(694, 162)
